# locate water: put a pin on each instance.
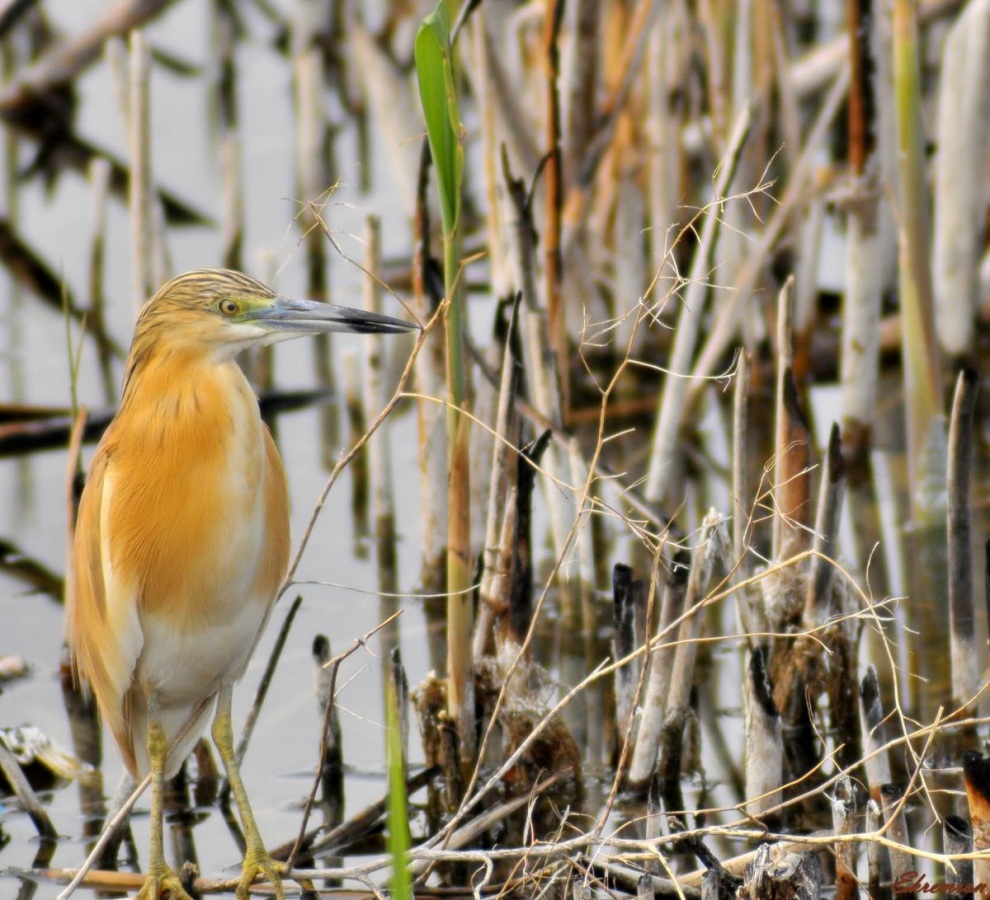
(284, 751)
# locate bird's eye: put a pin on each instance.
(229, 307)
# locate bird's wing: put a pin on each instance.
(104, 629)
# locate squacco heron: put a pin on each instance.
(182, 538)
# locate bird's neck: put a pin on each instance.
(173, 390)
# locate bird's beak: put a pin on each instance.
(286, 318)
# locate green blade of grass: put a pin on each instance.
(435, 74)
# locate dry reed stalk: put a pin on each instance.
(15, 296)
(141, 186)
(354, 400)
(431, 381)
(819, 604)
(877, 861)
(26, 797)
(865, 238)
(624, 629)
(99, 176)
(313, 180)
(496, 206)
(584, 543)
(725, 328)
(665, 73)
(389, 97)
(670, 410)
(925, 439)
(553, 181)
(747, 56)
(661, 666)
(485, 436)
(752, 616)
(965, 653)
(231, 177)
(579, 81)
(709, 550)
(877, 762)
(379, 450)
(764, 742)
(896, 826)
(400, 688)
(497, 582)
(543, 388)
(494, 546)
(963, 130)
(60, 65)
(518, 618)
(332, 768)
(654, 827)
(624, 47)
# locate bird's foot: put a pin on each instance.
(258, 861)
(161, 881)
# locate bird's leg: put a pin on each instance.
(160, 878)
(257, 860)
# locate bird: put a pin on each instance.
(182, 535)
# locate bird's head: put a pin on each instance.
(219, 313)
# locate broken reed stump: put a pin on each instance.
(776, 874)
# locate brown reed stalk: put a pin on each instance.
(792, 446)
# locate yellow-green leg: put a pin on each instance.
(160, 878)
(257, 860)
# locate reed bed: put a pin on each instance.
(704, 291)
